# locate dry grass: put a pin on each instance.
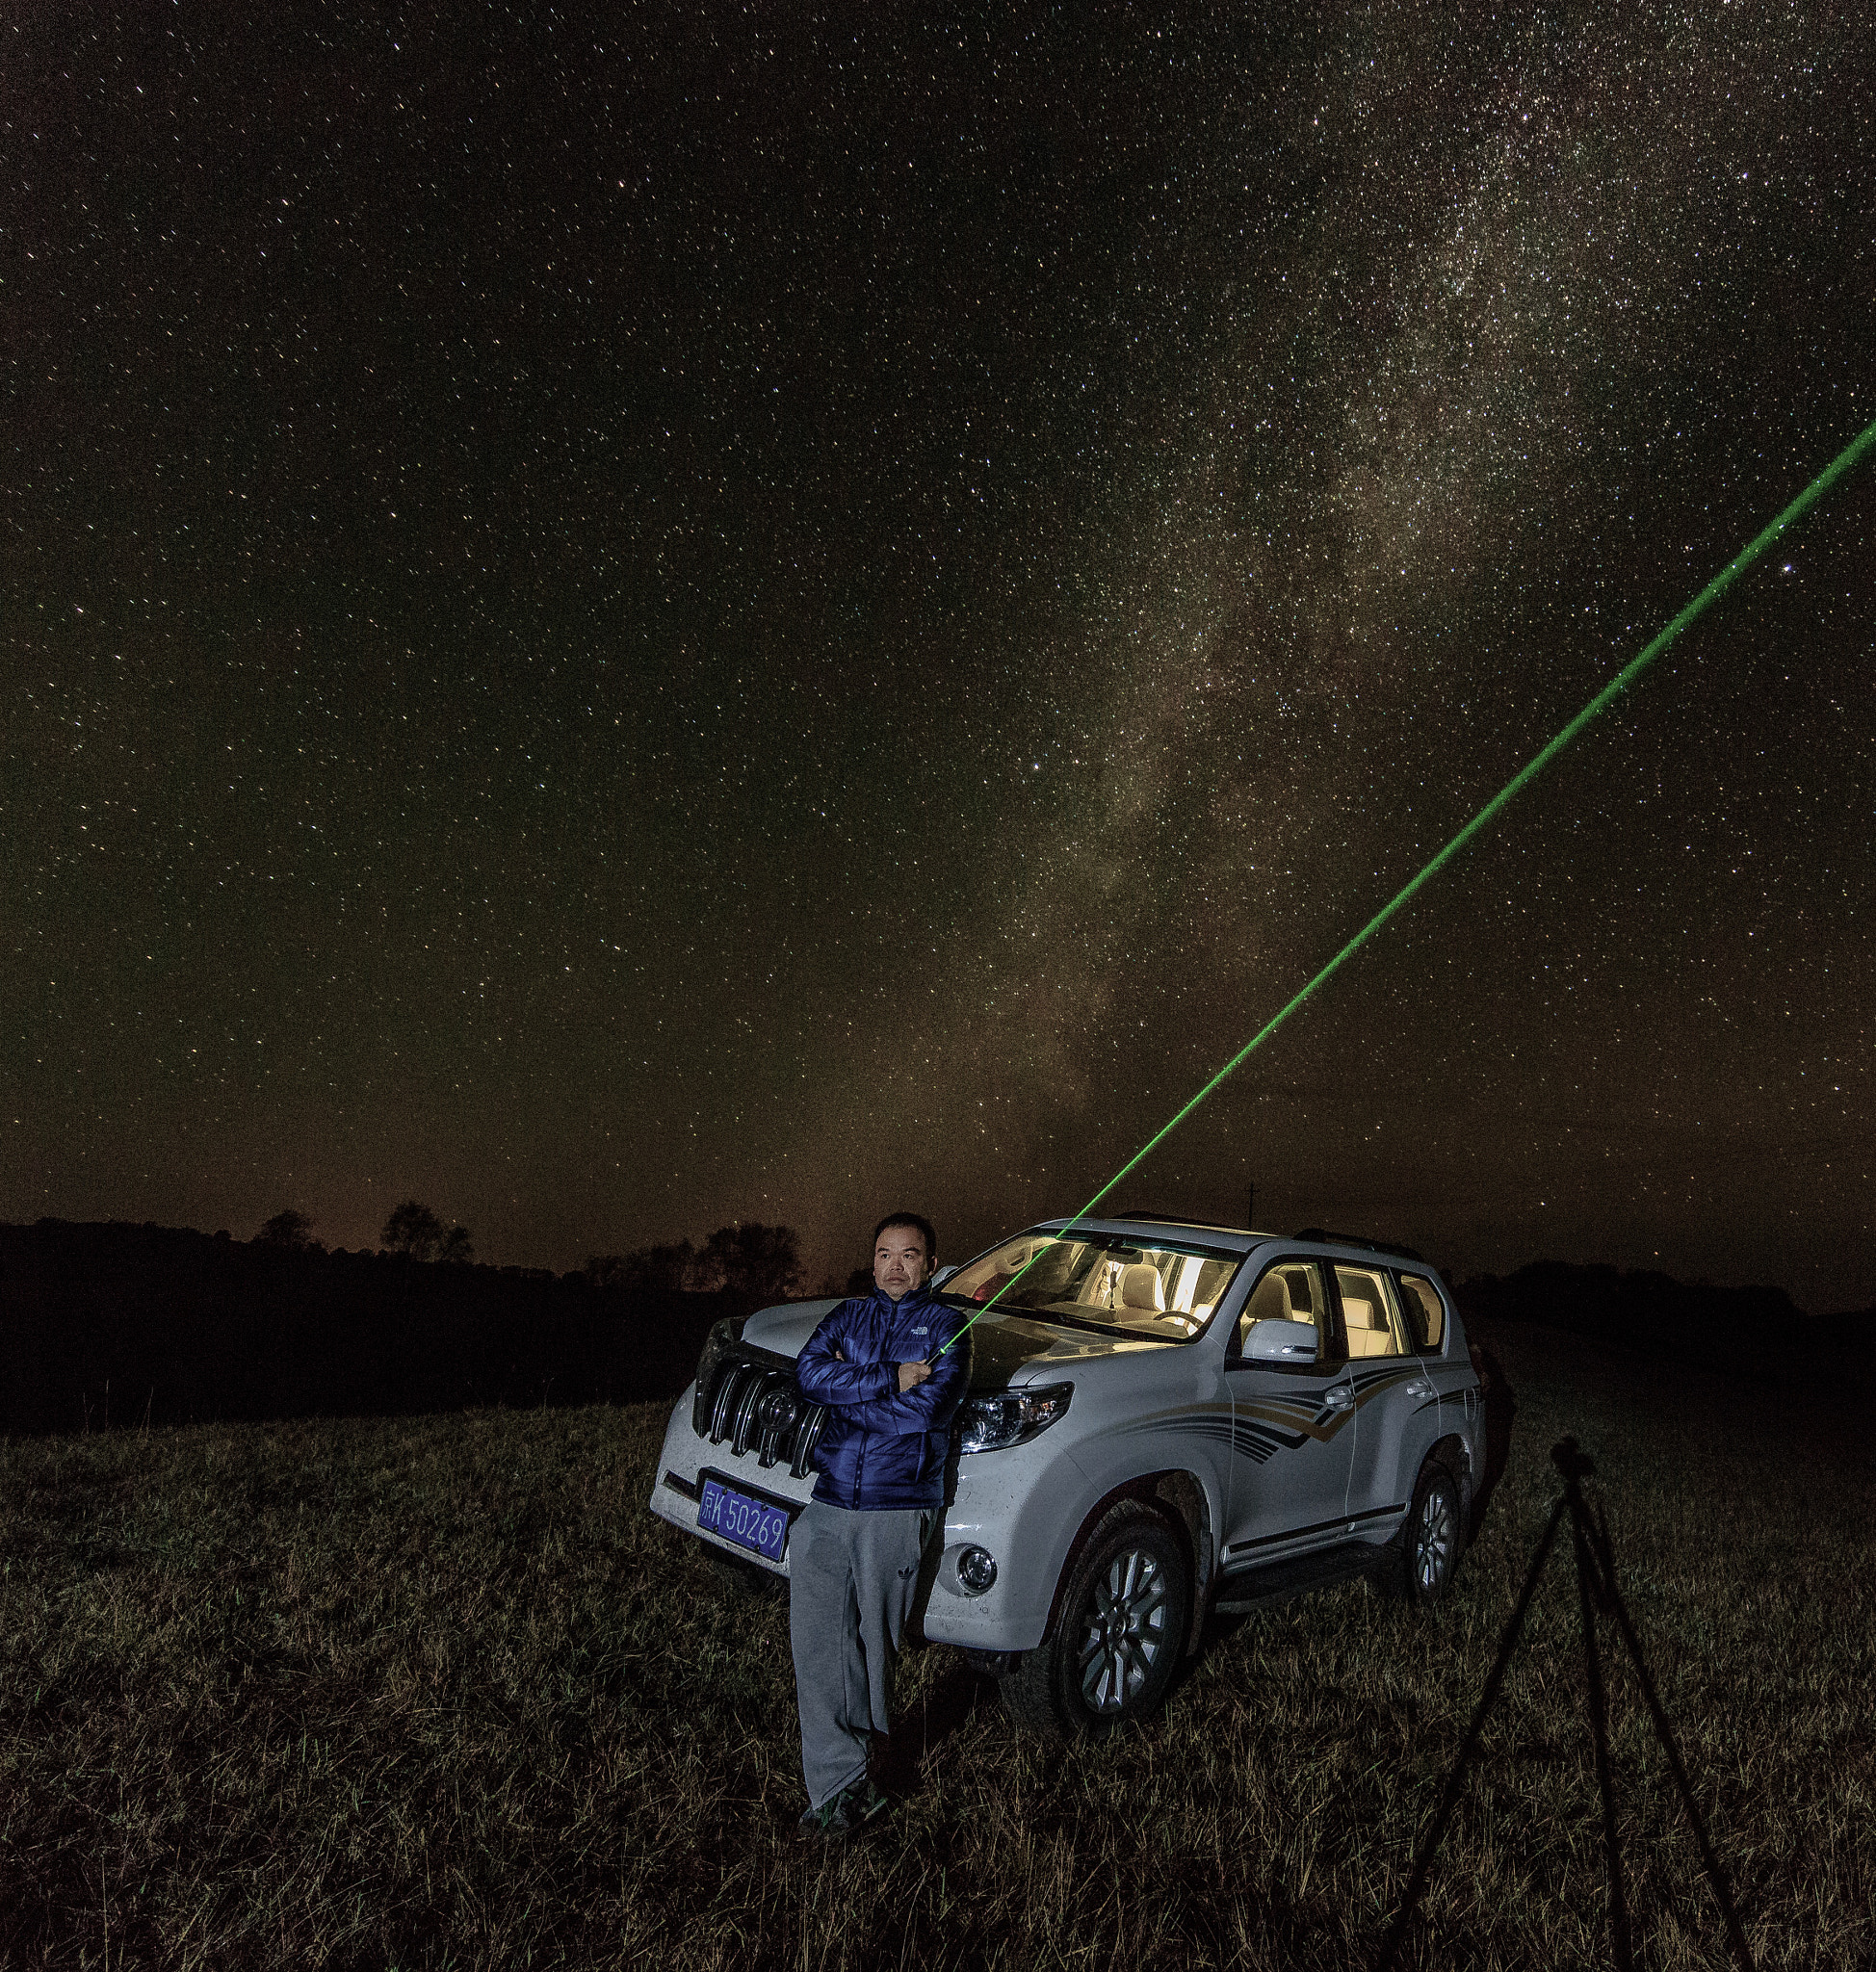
(442, 1692)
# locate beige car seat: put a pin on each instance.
(1269, 1301)
(1369, 1332)
(1142, 1288)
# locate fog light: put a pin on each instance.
(976, 1569)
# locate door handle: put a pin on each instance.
(1338, 1396)
(1419, 1389)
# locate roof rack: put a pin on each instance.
(1179, 1219)
(1316, 1232)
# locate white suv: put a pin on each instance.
(1164, 1417)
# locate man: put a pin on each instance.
(879, 1364)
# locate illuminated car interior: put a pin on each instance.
(1164, 1292)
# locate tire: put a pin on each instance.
(744, 1579)
(1122, 1626)
(1421, 1569)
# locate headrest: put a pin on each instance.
(1360, 1314)
(1140, 1286)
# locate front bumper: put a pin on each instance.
(1011, 1615)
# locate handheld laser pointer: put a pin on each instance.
(1603, 699)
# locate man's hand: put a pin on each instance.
(911, 1375)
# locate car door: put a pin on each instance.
(1291, 1441)
(1428, 1330)
(1396, 1405)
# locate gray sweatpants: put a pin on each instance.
(851, 1577)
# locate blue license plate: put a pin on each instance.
(751, 1523)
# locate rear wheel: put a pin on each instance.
(1420, 1569)
(1122, 1624)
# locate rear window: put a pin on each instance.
(1426, 1312)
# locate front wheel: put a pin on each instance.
(1116, 1645)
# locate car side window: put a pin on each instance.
(1368, 1313)
(1290, 1291)
(1426, 1312)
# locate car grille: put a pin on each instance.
(754, 1407)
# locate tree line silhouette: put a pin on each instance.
(412, 1230)
(1759, 1331)
(757, 1262)
(747, 1260)
(115, 1323)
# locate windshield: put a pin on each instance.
(1100, 1281)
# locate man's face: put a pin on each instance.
(900, 1262)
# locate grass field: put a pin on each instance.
(441, 1692)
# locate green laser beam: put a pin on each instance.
(1616, 685)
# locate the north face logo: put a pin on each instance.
(919, 1331)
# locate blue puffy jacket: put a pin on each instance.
(880, 1448)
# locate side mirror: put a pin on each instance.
(1282, 1341)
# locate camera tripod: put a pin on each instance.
(1597, 1591)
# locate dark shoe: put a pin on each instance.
(846, 1813)
(834, 1818)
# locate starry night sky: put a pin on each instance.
(624, 620)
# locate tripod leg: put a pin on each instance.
(1599, 1727)
(1604, 1555)
(1423, 1861)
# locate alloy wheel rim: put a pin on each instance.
(1124, 1632)
(1433, 1549)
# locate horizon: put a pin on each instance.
(818, 1282)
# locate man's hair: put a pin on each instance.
(919, 1224)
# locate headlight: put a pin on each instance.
(990, 1424)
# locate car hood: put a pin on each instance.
(1006, 1349)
